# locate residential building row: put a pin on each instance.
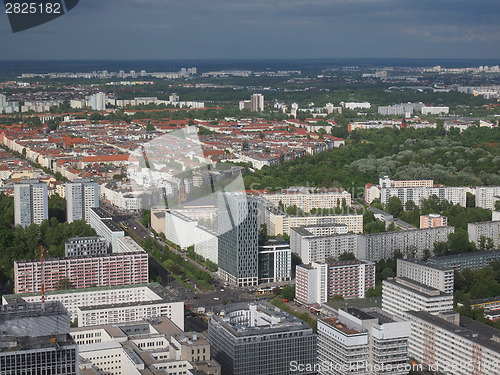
(85, 272)
(111, 304)
(412, 243)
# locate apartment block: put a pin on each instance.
(346, 278)
(386, 182)
(401, 294)
(485, 229)
(35, 340)
(81, 196)
(319, 242)
(433, 221)
(275, 260)
(30, 203)
(438, 277)
(101, 270)
(111, 304)
(454, 195)
(279, 223)
(250, 338)
(105, 227)
(487, 196)
(308, 201)
(411, 243)
(452, 344)
(85, 246)
(475, 260)
(368, 341)
(311, 283)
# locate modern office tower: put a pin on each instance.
(30, 203)
(479, 259)
(257, 103)
(97, 101)
(35, 340)
(486, 196)
(307, 201)
(85, 246)
(401, 294)
(483, 230)
(312, 245)
(411, 243)
(81, 196)
(317, 282)
(152, 346)
(433, 221)
(429, 274)
(453, 344)
(100, 270)
(238, 239)
(367, 341)
(112, 304)
(105, 227)
(454, 195)
(249, 339)
(275, 260)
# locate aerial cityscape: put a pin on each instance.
(261, 209)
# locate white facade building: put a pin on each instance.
(307, 202)
(30, 203)
(401, 294)
(317, 248)
(487, 196)
(411, 243)
(435, 110)
(485, 229)
(114, 304)
(81, 196)
(438, 277)
(452, 344)
(454, 195)
(105, 227)
(367, 341)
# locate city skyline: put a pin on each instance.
(148, 29)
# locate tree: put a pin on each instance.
(347, 256)
(63, 284)
(288, 292)
(394, 206)
(497, 205)
(337, 297)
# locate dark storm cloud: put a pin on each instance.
(237, 28)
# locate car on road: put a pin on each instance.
(216, 298)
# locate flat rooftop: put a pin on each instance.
(335, 323)
(287, 322)
(426, 264)
(468, 329)
(155, 287)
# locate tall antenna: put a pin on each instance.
(43, 276)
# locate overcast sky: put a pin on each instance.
(185, 29)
